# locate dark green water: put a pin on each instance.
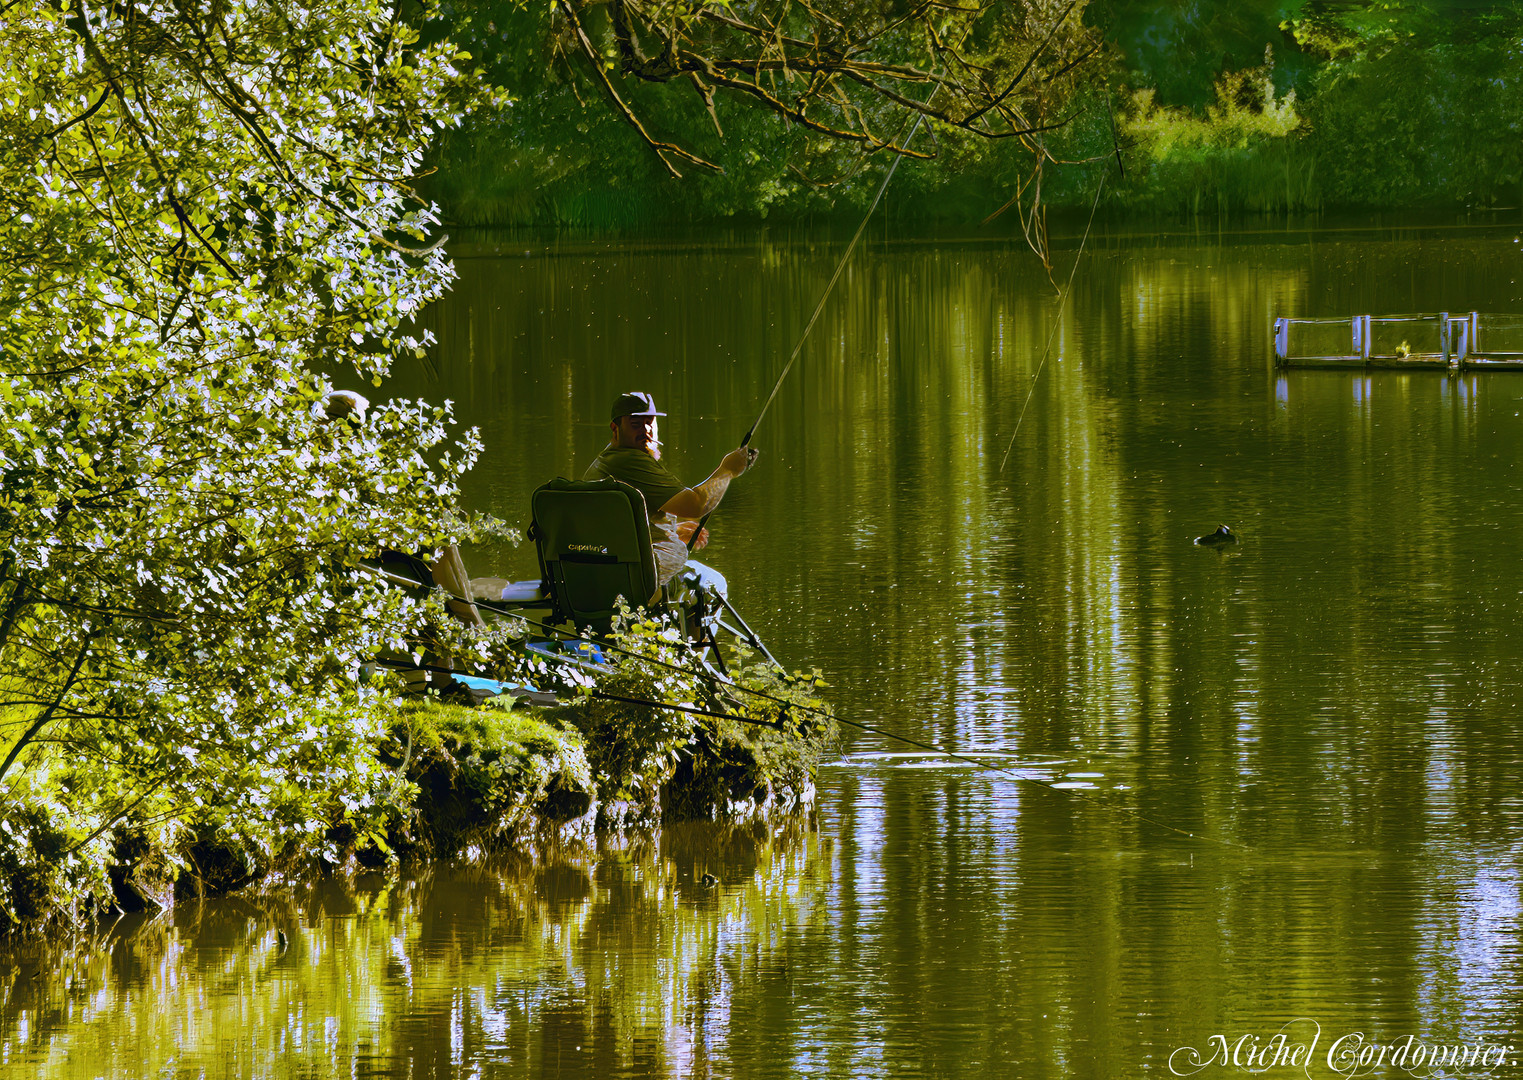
(1339, 694)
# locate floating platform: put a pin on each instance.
(1430, 340)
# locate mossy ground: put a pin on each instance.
(485, 775)
(489, 778)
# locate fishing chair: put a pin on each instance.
(593, 541)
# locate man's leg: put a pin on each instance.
(698, 575)
(449, 573)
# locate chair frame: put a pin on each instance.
(554, 544)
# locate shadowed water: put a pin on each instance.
(1329, 705)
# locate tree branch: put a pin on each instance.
(31, 732)
(13, 608)
(1031, 60)
(661, 148)
(91, 111)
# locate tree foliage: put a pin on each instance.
(204, 213)
(848, 71)
(1417, 103)
(1180, 49)
(1397, 105)
(759, 104)
(1392, 105)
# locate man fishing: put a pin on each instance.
(633, 455)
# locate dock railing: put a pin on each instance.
(1439, 340)
(1492, 341)
(1395, 341)
(1429, 340)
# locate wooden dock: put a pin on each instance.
(1437, 340)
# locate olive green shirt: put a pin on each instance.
(640, 471)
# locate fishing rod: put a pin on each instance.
(716, 681)
(404, 665)
(819, 307)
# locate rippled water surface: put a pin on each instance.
(1330, 707)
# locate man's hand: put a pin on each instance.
(685, 531)
(738, 460)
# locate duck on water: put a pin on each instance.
(1222, 537)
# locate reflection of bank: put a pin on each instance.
(578, 961)
(1436, 340)
(617, 960)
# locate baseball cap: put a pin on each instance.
(635, 403)
(341, 403)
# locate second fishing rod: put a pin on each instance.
(784, 704)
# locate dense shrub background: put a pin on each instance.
(1271, 106)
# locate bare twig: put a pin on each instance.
(661, 148)
(706, 92)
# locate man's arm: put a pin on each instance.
(694, 502)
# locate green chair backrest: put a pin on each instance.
(593, 538)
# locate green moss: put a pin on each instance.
(484, 773)
(494, 729)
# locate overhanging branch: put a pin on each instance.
(661, 148)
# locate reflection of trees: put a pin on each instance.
(627, 956)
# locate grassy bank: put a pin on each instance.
(450, 779)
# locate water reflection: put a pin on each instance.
(618, 964)
(1336, 694)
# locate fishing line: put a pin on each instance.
(824, 296)
(714, 680)
(893, 165)
(1062, 302)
